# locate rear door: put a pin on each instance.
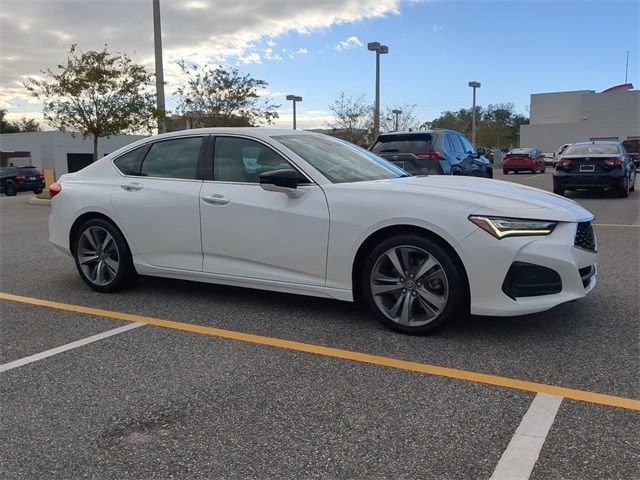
(157, 201)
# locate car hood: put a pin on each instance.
(490, 197)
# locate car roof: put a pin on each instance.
(260, 132)
(419, 132)
(597, 142)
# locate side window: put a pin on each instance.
(456, 143)
(177, 158)
(466, 145)
(243, 160)
(130, 162)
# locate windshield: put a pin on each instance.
(592, 149)
(338, 160)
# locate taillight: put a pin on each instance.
(21, 178)
(613, 162)
(565, 163)
(40, 177)
(435, 155)
(54, 189)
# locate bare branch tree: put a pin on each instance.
(353, 119)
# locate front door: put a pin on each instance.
(250, 232)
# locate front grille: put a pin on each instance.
(585, 237)
(585, 275)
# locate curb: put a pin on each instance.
(39, 201)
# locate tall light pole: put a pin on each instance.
(474, 85)
(294, 99)
(157, 43)
(397, 113)
(380, 50)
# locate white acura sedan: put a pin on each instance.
(304, 213)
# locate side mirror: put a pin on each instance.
(283, 181)
(481, 151)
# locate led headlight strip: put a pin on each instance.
(501, 227)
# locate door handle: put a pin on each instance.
(215, 199)
(131, 187)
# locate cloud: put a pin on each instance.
(437, 28)
(351, 42)
(269, 55)
(302, 51)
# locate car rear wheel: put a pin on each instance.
(505, 171)
(623, 188)
(102, 256)
(10, 189)
(411, 284)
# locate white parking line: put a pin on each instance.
(522, 453)
(69, 346)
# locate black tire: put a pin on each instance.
(450, 281)
(10, 189)
(125, 273)
(632, 187)
(37, 191)
(623, 188)
(489, 172)
(505, 172)
(558, 190)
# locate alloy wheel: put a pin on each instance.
(98, 256)
(409, 286)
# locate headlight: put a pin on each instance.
(501, 227)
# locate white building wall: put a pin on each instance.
(555, 119)
(49, 149)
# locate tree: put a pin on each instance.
(5, 125)
(219, 97)
(407, 120)
(96, 93)
(22, 125)
(497, 125)
(353, 119)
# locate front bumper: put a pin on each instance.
(487, 261)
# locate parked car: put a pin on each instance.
(20, 179)
(595, 165)
(632, 147)
(434, 152)
(559, 153)
(548, 159)
(523, 160)
(321, 217)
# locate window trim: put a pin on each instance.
(200, 166)
(209, 165)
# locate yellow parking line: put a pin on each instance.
(580, 395)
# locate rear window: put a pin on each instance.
(520, 152)
(8, 170)
(403, 143)
(593, 149)
(29, 171)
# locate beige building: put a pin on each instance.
(583, 115)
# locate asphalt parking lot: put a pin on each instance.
(184, 399)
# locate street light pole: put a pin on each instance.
(474, 85)
(157, 43)
(380, 50)
(397, 114)
(294, 99)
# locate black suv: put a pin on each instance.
(434, 152)
(20, 179)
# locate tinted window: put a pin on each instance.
(593, 149)
(339, 161)
(466, 145)
(403, 143)
(176, 158)
(456, 143)
(130, 162)
(243, 160)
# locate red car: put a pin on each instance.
(523, 159)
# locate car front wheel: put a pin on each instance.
(412, 284)
(102, 256)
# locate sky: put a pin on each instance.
(317, 49)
